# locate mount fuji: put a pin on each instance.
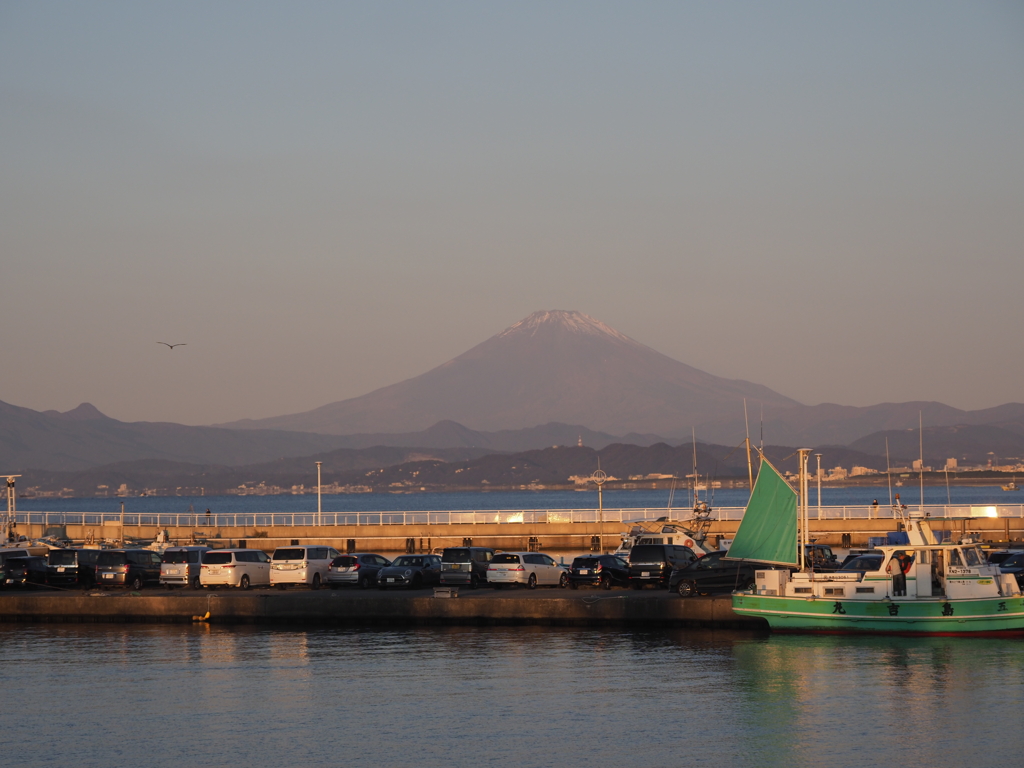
(553, 366)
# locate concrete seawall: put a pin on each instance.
(550, 608)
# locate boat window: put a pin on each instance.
(973, 556)
(864, 563)
(924, 556)
(954, 559)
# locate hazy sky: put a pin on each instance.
(325, 198)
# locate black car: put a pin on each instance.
(713, 573)
(654, 563)
(24, 570)
(465, 565)
(604, 570)
(1015, 565)
(819, 557)
(132, 568)
(71, 567)
(411, 572)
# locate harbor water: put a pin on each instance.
(201, 695)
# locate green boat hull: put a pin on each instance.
(935, 616)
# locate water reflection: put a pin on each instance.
(194, 694)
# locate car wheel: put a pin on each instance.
(474, 581)
(532, 581)
(195, 583)
(606, 582)
(573, 585)
(686, 588)
(137, 583)
(244, 581)
(563, 581)
(316, 582)
(364, 582)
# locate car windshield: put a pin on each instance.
(170, 556)
(1013, 561)
(111, 558)
(289, 554)
(407, 561)
(455, 556)
(217, 558)
(996, 558)
(864, 563)
(505, 558)
(62, 557)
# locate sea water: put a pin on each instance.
(523, 697)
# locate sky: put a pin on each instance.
(320, 199)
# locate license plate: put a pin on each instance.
(10, 581)
(645, 574)
(390, 581)
(60, 569)
(214, 570)
(108, 575)
(584, 571)
(456, 567)
(172, 570)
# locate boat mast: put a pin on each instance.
(920, 432)
(802, 527)
(750, 464)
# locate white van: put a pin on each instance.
(301, 565)
(235, 568)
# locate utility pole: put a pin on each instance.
(802, 537)
(819, 484)
(319, 505)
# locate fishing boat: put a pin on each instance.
(921, 588)
(1011, 486)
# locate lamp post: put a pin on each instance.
(319, 506)
(819, 484)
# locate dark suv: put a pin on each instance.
(465, 565)
(606, 570)
(712, 573)
(22, 570)
(654, 563)
(71, 567)
(133, 568)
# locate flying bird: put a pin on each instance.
(171, 346)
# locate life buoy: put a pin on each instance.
(688, 543)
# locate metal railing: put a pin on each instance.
(476, 517)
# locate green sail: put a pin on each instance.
(767, 532)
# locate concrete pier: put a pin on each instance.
(595, 608)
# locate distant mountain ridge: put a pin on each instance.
(553, 366)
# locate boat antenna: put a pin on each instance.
(750, 465)
(888, 472)
(920, 433)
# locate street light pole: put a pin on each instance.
(819, 484)
(319, 506)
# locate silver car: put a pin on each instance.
(179, 566)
